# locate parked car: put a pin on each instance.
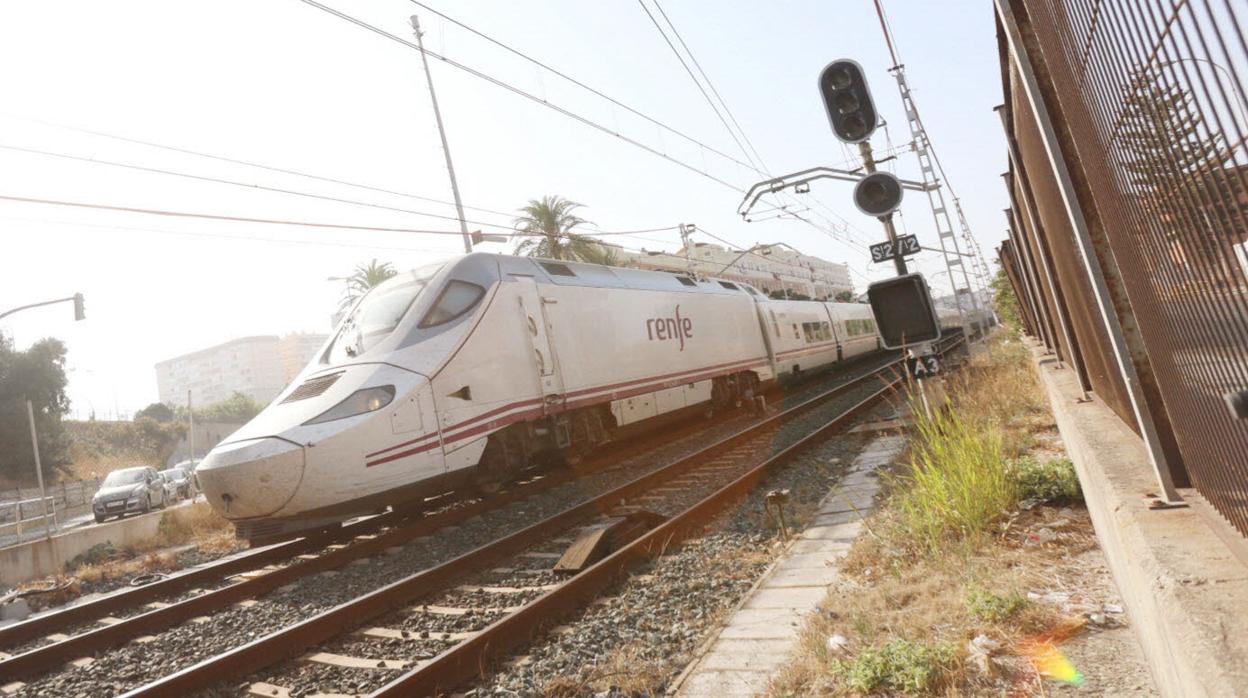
(189, 466)
(137, 489)
(177, 483)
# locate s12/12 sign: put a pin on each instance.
(906, 245)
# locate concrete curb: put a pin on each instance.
(1184, 588)
(764, 629)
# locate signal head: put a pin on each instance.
(878, 194)
(847, 100)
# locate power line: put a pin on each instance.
(221, 236)
(527, 95)
(143, 168)
(220, 180)
(760, 167)
(248, 163)
(582, 85)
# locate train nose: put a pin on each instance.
(251, 478)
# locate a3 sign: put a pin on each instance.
(920, 367)
(906, 245)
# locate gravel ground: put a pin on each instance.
(134, 664)
(747, 528)
(636, 640)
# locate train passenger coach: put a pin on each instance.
(477, 368)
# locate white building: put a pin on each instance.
(259, 367)
(769, 268)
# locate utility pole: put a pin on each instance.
(868, 164)
(43, 495)
(446, 149)
(190, 431)
(687, 230)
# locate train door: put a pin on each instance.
(542, 348)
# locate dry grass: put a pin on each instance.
(195, 524)
(949, 556)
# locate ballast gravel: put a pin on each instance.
(126, 667)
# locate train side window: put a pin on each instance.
(456, 299)
(795, 333)
(555, 269)
(728, 285)
(686, 281)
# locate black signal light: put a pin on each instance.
(847, 100)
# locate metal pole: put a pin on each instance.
(190, 432)
(446, 150)
(43, 495)
(868, 164)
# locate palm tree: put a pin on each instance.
(549, 221)
(363, 279)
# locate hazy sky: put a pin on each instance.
(284, 84)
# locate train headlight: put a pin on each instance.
(359, 402)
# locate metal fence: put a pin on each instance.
(65, 494)
(1127, 124)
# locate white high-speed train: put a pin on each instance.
(473, 369)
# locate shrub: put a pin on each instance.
(1046, 480)
(900, 665)
(993, 607)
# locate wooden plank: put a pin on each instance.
(396, 634)
(590, 546)
(268, 690)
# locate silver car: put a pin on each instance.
(129, 490)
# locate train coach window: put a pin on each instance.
(456, 299)
(555, 269)
(686, 281)
(729, 286)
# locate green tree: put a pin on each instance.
(38, 375)
(548, 223)
(235, 409)
(844, 296)
(1005, 302)
(157, 411)
(364, 278)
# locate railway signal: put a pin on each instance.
(878, 194)
(904, 314)
(847, 99)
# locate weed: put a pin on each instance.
(899, 665)
(1047, 480)
(957, 484)
(993, 607)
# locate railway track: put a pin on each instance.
(474, 584)
(505, 587)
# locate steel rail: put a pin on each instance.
(287, 642)
(44, 658)
(466, 659)
(47, 657)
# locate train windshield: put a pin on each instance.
(379, 313)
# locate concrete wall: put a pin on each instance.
(43, 557)
(1182, 583)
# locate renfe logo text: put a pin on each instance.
(663, 328)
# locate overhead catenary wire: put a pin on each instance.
(759, 167)
(247, 219)
(582, 85)
(248, 163)
(524, 93)
(262, 187)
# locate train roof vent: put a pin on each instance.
(556, 269)
(313, 387)
(686, 281)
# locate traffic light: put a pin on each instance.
(903, 311)
(80, 312)
(848, 101)
(878, 194)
